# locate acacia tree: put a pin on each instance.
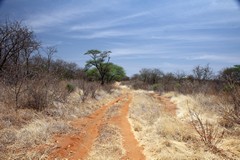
(116, 73)
(99, 60)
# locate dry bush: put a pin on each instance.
(43, 93)
(232, 114)
(87, 89)
(209, 134)
(109, 88)
(139, 85)
(36, 93)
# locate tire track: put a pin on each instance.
(79, 146)
(134, 151)
(75, 147)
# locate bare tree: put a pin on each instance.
(151, 76)
(203, 73)
(17, 42)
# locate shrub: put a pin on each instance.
(87, 89)
(209, 134)
(70, 88)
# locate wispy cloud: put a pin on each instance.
(63, 15)
(197, 38)
(216, 57)
(109, 23)
(103, 34)
(40, 21)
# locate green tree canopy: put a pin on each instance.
(99, 60)
(232, 74)
(114, 73)
(99, 67)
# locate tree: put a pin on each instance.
(93, 74)
(231, 75)
(203, 73)
(114, 73)
(151, 76)
(99, 60)
(17, 43)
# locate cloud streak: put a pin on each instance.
(109, 24)
(63, 15)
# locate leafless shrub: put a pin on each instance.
(209, 134)
(43, 92)
(84, 90)
(233, 114)
(136, 84)
(87, 89)
(93, 89)
(230, 76)
(108, 88)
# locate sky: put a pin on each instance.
(171, 35)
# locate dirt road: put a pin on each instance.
(81, 145)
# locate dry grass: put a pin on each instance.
(108, 145)
(168, 137)
(27, 128)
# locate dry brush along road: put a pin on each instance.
(105, 134)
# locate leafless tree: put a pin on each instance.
(203, 73)
(151, 76)
(17, 43)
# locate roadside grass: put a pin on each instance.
(173, 137)
(25, 129)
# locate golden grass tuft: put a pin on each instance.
(108, 145)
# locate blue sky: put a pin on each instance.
(172, 35)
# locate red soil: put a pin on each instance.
(77, 146)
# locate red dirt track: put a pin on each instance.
(78, 146)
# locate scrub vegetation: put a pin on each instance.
(50, 108)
